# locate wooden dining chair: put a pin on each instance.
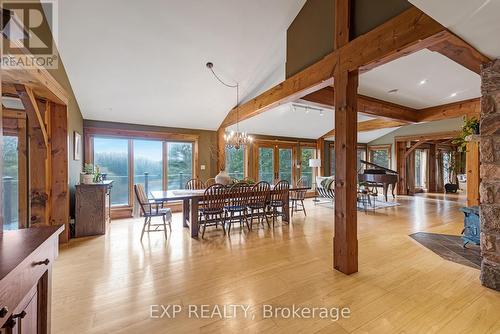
(257, 203)
(150, 209)
(212, 207)
(279, 199)
(195, 184)
(236, 207)
(297, 196)
(210, 182)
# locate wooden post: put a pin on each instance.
(320, 154)
(221, 150)
(59, 171)
(345, 242)
(472, 170)
(432, 164)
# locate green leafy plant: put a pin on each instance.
(95, 171)
(88, 169)
(470, 127)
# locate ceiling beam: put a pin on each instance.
(366, 106)
(470, 108)
(460, 52)
(408, 32)
(370, 125)
(34, 115)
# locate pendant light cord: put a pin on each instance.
(237, 86)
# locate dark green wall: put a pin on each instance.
(310, 36)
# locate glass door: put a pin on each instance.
(266, 164)
(275, 162)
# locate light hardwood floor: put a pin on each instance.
(107, 284)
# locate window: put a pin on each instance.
(380, 155)
(148, 164)
(235, 162)
(332, 159)
(307, 153)
(179, 164)
(10, 182)
(266, 164)
(421, 168)
(361, 155)
(447, 166)
(112, 157)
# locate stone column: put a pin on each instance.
(490, 175)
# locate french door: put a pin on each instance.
(275, 162)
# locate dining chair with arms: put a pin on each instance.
(150, 209)
(257, 202)
(278, 200)
(236, 206)
(209, 182)
(297, 196)
(195, 184)
(212, 207)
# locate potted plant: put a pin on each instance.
(90, 174)
(470, 127)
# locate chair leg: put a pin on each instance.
(144, 226)
(303, 207)
(165, 226)
(204, 227)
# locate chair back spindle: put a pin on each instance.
(195, 184)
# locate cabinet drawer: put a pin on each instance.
(15, 286)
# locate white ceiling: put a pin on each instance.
(443, 77)
(476, 21)
(144, 61)
(289, 121)
(133, 63)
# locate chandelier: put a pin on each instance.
(233, 139)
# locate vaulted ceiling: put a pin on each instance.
(144, 62)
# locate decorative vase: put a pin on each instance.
(223, 178)
(86, 178)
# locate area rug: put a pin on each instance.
(450, 247)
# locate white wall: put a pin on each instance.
(453, 124)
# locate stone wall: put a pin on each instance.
(490, 175)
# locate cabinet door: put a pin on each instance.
(29, 324)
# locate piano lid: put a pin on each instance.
(377, 167)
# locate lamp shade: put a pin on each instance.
(314, 162)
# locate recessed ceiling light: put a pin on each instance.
(393, 91)
(453, 94)
(423, 82)
(321, 113)
(307, 110)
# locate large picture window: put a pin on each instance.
(148, 164)
(332, 159)
(307, 172)
(112, 157)
(380, 155)
(179, 164)
(157, 162)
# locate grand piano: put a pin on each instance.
(378, 176)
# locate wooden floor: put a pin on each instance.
(107, 284)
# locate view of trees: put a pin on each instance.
(10, 182)
(111, 155)
(306, 171)
(235, 162)
(380, 157)
(266, 164)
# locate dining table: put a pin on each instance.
(191, 203)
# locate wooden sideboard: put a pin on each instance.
(92, 208)
(26, 258)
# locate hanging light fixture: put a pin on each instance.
(233, 139)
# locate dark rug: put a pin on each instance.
(450, 247)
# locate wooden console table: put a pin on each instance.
(26, 258)
(92, 208)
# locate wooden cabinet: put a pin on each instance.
(92, 209)
(26, 258)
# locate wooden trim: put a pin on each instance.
(370, 106)
(469, 108)
(131, 162)
(472, 170)
(13, 113)
(136, 134)
(370, 125)
(461, 52)
(428, 137)
(31, 106)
